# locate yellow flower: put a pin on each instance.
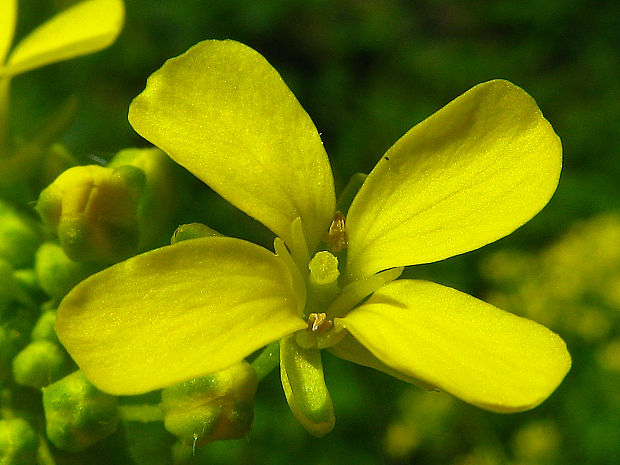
(84, 28)
(468, 175)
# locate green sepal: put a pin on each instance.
(213, 407)
(77, 414)
(94, 211)
(301, 372)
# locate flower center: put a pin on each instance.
(321, 290)
(322, 285)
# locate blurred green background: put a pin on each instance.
(366, 71)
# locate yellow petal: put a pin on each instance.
(221, 111)
(351, 350)
(176, 313)
(301, 372)
(84, 28)
(8, 15)
(468, 175)
(477, 352)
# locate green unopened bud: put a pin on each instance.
(18, 442)
(19, 237)
(57, 273)
(159, 200)
(192, 231)
(44, 327)
(94, 211)
(77, 414)
(10, 288)
(40, 363)
(212, 407)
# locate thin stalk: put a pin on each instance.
(268, 359)
(143, 413)
(5, 85)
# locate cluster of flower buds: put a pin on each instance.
(212, 407)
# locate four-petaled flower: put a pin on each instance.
(468, 175)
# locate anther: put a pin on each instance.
(336, 237)
(318, 322)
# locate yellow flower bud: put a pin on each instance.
(212, 407)
(158, 201)
(94, 211)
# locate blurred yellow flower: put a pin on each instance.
(84, 28)
(468, 175)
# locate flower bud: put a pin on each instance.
(40, 363)
(18, 442)
(19, 237)
(44, 327)
(192, 231)
(158, 200)
(77, 414)
(212, 407)
(57, 273)
(94, 211)
(11, 290)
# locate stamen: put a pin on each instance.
(336, 237)
(299, 247)
(298, 281)
(318, 322)
(355, 292)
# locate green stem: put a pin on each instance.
(143, 413)
(268, 359)
(5, 84)
(44, 455)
